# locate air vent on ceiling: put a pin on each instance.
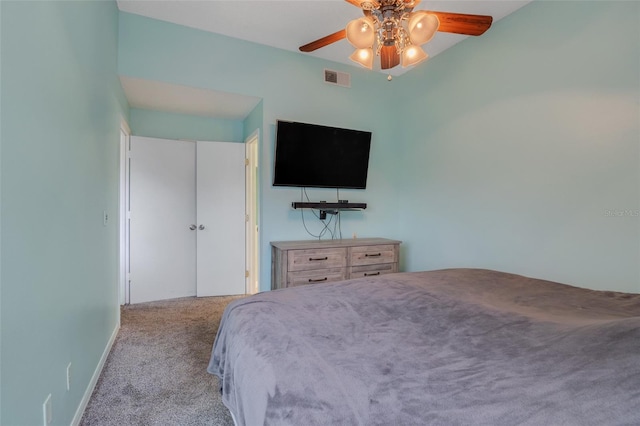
(338, 78)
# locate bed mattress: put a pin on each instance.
(454, 347)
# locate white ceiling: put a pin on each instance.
(285, 25)
(159, 96)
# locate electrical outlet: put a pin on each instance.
(69, 377)
(355, 235)
(47, 415)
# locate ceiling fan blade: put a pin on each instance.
(324, 41)
(460, 23)
(389, 57)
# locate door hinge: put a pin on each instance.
(246, 161)
(246, 218)
(246, 274)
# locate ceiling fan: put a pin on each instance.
(396, 31)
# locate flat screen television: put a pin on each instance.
(310, 155)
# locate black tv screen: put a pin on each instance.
(311, 155)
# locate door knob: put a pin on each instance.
(201, 227)
(192, 227)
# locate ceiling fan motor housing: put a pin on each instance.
(398, 31)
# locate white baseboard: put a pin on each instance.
(94, 379)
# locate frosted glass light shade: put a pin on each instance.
(422, 27)
(413, 55)
(364, 57)
(361, 33)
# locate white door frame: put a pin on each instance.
(251, 208)
(123, 215)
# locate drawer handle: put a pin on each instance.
(372, 275)
(318, 280)
(311, 259)
(372, 255)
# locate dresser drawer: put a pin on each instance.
(297, 263)
(373, 270)
(316, 276)
(306, 260)
(371, 255)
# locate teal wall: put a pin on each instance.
(505, 152)
(523, 146)
(291, 87)
(61, 107)
(165, 125)
(518, 150)
(253, 122)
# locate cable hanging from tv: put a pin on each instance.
(325, 209)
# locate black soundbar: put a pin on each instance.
(328, 206)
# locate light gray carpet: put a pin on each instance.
(156, 372)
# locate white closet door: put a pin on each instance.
(221, 218)
(163, 203)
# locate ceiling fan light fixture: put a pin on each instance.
(361, 32)
(422, 27)
(394, 31)
(413, 55)
(363, 57)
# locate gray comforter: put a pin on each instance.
(450, 347)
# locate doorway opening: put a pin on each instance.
(252, 244)
(187, 219)
(252, 240)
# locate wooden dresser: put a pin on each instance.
(296, 263)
